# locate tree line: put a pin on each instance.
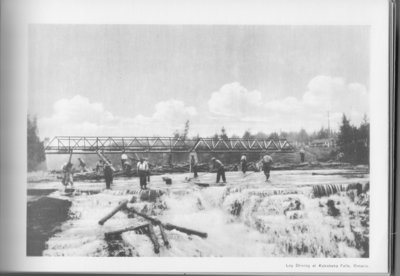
(352, 141)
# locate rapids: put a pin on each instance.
(285, 217)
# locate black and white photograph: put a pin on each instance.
(198, 141)
(198, 137)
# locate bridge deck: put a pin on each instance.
(87, 144)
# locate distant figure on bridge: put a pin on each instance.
(82, 165)
(108, 175)
(193, 165)
(143, 172)
(68, 177)
(220, 169)
(124, 158)
(302, 155)
(266, 165)
(243, 162)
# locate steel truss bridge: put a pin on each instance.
(90, 144)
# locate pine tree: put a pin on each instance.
(302, 136)
(346, 140)
(186, 130)
(223, 135)
(36, 153)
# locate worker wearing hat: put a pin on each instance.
(143, 171)
(220, 169)
(243, 162)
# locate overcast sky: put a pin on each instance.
(149, 79)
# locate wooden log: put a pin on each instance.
(164, 236)
(153, 238)
(169, 226)
(152, 220)
(202, 184)
(131, 228)
(101, 155)
(121, 206)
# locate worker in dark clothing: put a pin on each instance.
(220, 169)
(68, 174)
(82, 165)
(193, 164)
(266, 165)
(143, 172)
(243, 162)
(302, 155)
(108, 175)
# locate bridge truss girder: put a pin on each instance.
(90, 144)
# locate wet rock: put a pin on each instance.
(45, 215)
(332, 210)
(295, 215)
(133, 199)
(236, 208)
(292, 205)
(150, 195)
(361, 240)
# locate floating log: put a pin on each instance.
(153, 238)
(121, 206)
(202, 184)
(169, 226)
(131, 228)
(164, 236)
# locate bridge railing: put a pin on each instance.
(92, 144)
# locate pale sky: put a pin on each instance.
(141, 80)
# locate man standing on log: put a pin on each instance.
(82, 165)
(243, 161)
(68, 178)
(108, 175)
(220, 169)
(143, 171)
(266, 165)
(193, 164)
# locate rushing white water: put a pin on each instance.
(248, 217)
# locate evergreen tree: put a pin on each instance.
(186, 130)
(273, 136)
(36, 153)
(302, 136)
(223, 135)
(247, 135)
(323, 133)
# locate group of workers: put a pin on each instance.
(266, 163)
(143, 170)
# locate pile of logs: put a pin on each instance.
(148, 228)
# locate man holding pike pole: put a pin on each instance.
(220, 169)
